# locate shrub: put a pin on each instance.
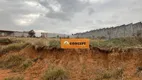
(11, 61)
(15, 62)
(27, 63)
(110, 74)
(54, 43)
(14, 78)
(55, 74)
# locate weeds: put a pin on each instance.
(15, 62)
(26, 64)
(14, 78)
(54, 43)
(55, 74)
(11, 61)
(114, 75)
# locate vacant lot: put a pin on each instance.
(42, 59)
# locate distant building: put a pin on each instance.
(53, 35)
(21, 34)
(6, 33)
(45, 35)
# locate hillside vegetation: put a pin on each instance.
(42, 59)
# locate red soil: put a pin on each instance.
(82, 64)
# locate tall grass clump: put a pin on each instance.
(54, 43)
(55, 74)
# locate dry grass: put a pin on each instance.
(5, 41)
(15, 78)
(15, 62)
(110, 75)
(55, 74)
(13, 47)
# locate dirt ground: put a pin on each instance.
(83, 64)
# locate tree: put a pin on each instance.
(31, 33)
(58, 36)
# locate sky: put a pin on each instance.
(67, 16)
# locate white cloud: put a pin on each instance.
(25, 20)
(67, 16)
(94, 1)
(32, 3)
(56, 8)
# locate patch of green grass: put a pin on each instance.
(55, 74)
(14, 78)
(54, 43)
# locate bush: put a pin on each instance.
(55, 74)
(54, 43)
(14, 78)
(11, 61)
(110, 75)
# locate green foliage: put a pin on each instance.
(14, 78)
(54, 43)
(31, 33)
(55, 74)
